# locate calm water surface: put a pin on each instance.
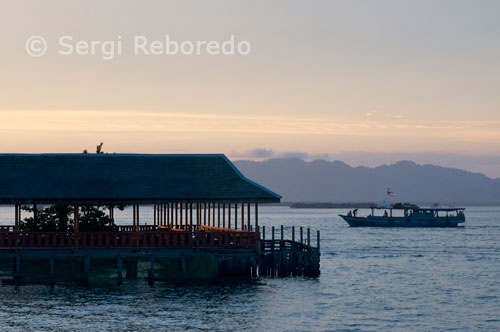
(373, 279)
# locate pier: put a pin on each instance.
(205, 224)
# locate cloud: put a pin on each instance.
(264, 153)
(260, 153)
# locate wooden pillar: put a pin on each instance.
(137, 218)
(168, 214)
(180, 208)
(162, 220)
(165, 214)
(242, 216)
(76, 214)
(218, 214)
(172, 219)
(176, 215)
(248, 218)
(75, 218)
(133, 216)
(16, 218)
(256, 216)
(208, 215)
(223, 215)
(229, 215)
(190, 215)
(213, 214)
(158, 214)
(154, 214)
(235, 215)
(205, 214)
(158, 222)
(35, 213)
(198, 214)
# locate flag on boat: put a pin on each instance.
(390, 193)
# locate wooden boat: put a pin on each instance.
(407, 216)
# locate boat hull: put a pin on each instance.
(402, 222)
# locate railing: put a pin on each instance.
(125, 239)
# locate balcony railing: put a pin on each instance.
(124, 237)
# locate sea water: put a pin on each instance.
(372, 279)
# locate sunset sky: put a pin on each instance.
(324, 79)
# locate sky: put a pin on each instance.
(369, 82)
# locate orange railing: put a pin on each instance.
(129, 239)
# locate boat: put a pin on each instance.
(407, 216)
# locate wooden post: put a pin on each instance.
(208, 214)
(151, 272)
(180, 214)
(317, 240)
(164, 214)
(154, 214)
(86, 268)
(158, 214)
(75, 218)
(213, 214)
(248, 219)
(263, 233)
(256, 216)
(218, 214)
(172, 222)
(198, 215)
(223, 215)
(111, 215)
(235, 215)
(16, 221)
(169, 214)
(293, 233)
(190, 215)
(119, 265)
(229, 215)
(177, 215)
(301, 235)
(309, 237)
(75, 226)
(138, 219)
(205, 214)
(242, 216)
(133, 217)
(51, 271)
(35, 213)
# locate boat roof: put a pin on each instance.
(420, 208)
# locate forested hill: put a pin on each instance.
(335, 181)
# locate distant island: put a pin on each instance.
(336, 183)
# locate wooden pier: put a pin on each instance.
(204, 225)
(283, 258)
(202, 258)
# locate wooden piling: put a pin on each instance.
(119, 266)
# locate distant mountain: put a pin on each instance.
(326, 181)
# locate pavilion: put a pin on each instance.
(198, 200)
